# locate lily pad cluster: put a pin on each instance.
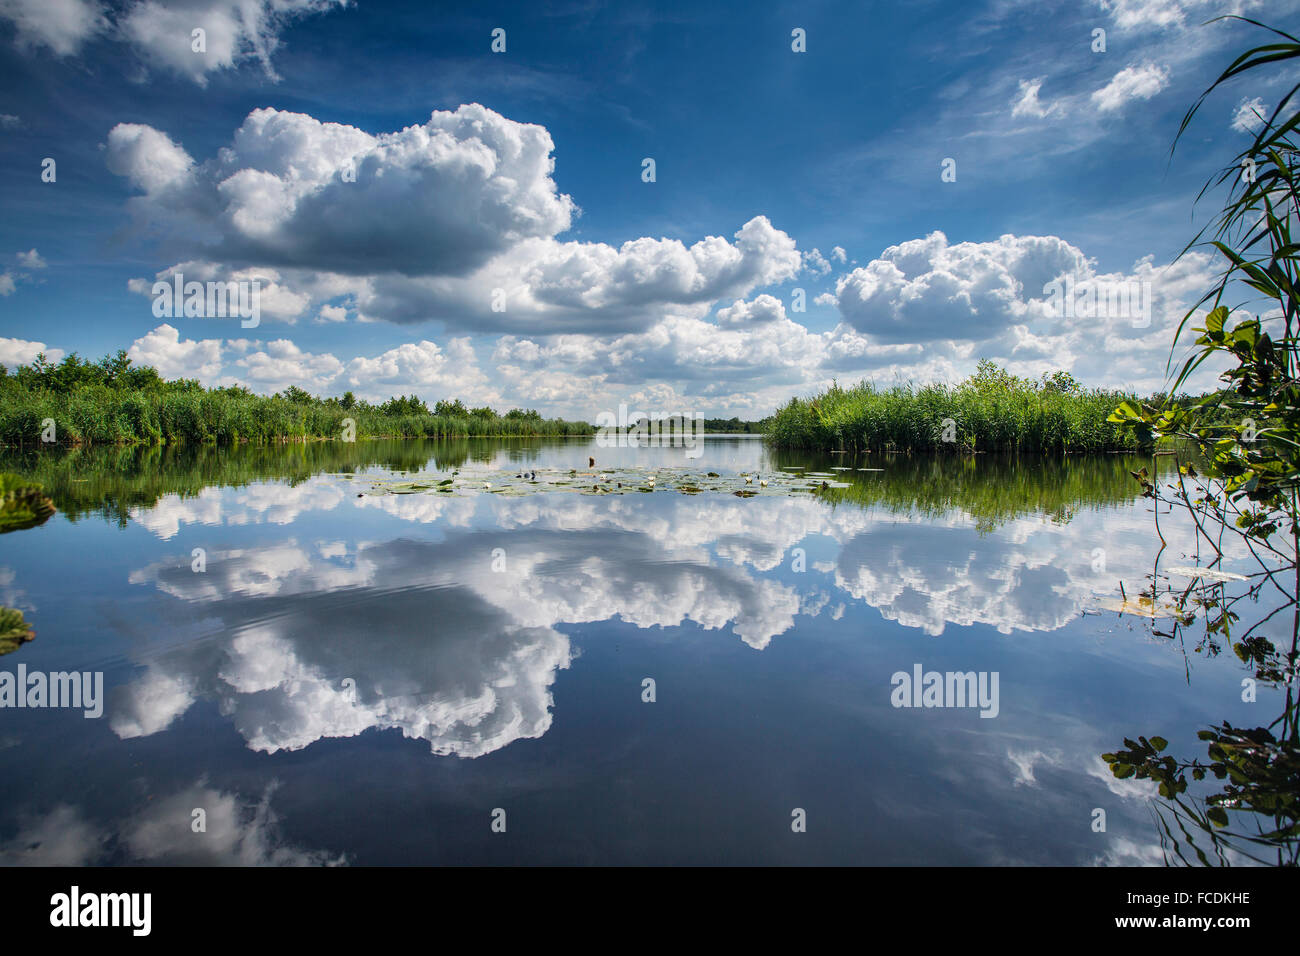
(589, 481)
(23, 503)
(14, 632)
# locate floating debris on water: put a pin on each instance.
(1138, 607)
(1208, 574)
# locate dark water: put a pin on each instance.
(371, 679)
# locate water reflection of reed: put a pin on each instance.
(110, 481)
(992, 489)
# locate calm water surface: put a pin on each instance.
(366, 679)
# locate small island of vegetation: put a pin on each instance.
(992, 410)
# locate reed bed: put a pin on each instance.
(89, 405)
(991, 411)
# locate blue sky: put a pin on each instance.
(521, 171)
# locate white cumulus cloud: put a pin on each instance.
(15, 352)
(456, 219)
(1131, 83)
(173, 358)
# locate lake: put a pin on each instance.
(319, 653)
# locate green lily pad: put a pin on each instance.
(23, 503)
(14, 632)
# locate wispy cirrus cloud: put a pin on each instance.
(190, 38)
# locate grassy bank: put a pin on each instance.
(113, 402)
(990, 411)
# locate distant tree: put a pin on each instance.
(348, 401)
(989, 375)
(453, 409)
(404, 405)
(114, 368)
(1062, 382)
(297, 395)
(142, 378)
(73, 373)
